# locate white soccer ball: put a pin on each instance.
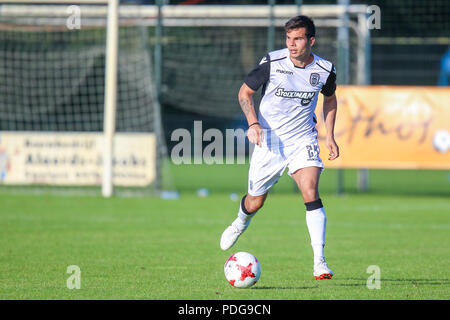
(441, 141)
(242, 270)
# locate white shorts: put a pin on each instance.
(267, 164)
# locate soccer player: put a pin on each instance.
(284, 131)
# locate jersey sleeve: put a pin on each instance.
(259, 75)
(329, 87)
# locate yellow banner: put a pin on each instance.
(395, 127)
(75, 158)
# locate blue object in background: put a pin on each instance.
(444, 77)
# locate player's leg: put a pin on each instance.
(307, 180)
(249, 206)
(266, 167)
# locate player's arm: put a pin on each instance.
(257, 77)
(245, 98)
(329, 112)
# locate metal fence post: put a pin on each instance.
(158, 81)
(271, 31)
(158, 48)
(299, 4)
(343, 68)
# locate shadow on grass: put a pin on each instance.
(283, 288)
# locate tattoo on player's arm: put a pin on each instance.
(245, 105)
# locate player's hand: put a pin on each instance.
(333, 147)
(255, 134)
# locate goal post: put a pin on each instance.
(109, 126)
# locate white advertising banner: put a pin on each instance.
(74, 158)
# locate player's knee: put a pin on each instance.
(310, 194)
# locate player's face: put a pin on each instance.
(298, 43)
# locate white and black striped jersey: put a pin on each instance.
(289, 94)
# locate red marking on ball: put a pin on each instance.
(246, 271)
(232, 258)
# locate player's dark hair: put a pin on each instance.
(301, 22)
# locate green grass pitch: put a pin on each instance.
(150, 248)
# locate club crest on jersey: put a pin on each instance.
(305, 97)
(314, 79)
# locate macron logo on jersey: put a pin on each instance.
(305, 96)
(284, 71)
